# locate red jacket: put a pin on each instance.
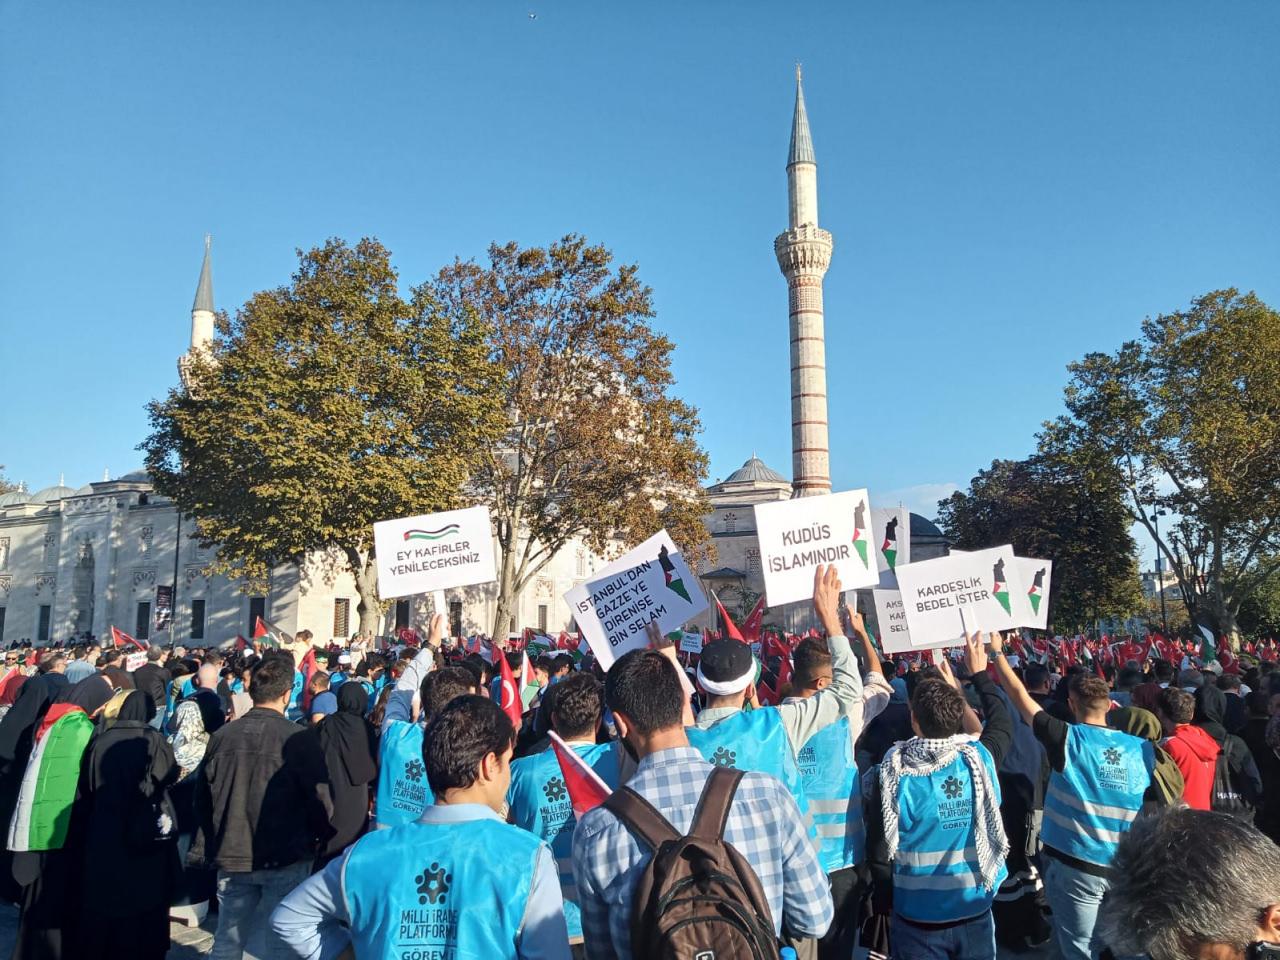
(1196, 754)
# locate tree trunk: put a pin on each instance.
(506, 591)
(364, 570)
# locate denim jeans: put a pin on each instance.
(245, 902)
(972, 940)
(1074, 896)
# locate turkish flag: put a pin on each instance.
(730, 628)
(511, 704)
(119, 638)
(751, 626)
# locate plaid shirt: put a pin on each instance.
(764, 826)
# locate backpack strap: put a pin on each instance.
(713, 806)
(640, 816)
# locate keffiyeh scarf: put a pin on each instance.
(920, 757)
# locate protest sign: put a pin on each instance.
(691, 643)
(434, 552)
(651, 583)
(894, 635)
(1035, 576)
(135, 660)
(797, 536)
(984, 583)
(892, 529)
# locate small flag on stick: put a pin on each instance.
(586, 790)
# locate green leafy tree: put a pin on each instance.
(6, 485)
(597, 447)
(1052, 509)
(1188, 415)
(324, 406)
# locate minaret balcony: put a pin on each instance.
(806, 249)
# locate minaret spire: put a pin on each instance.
(804, 253)
(202, 317)
(204, 289)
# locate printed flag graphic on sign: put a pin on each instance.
(890, 546)
(448, 530)
(1000, 586)
(669, 574)
(1036, 593)
(586, 790)
(859, 528)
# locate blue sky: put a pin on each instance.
(1009, 184)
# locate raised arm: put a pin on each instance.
(969, 721)
(400, 702)
(1022, 701)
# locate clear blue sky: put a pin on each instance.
(1010, 185)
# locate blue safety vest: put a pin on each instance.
(830, 778)
(936, 875)
(432, 890)
(755, 740)
(539, 803)
(403, 792)
(1097, 796)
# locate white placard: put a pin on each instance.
(984, 582)
(691, 643)
(894, 635)
(651, 583)
(434, 552)
(135, 660)
(797, 536)
(892, 529)
(1036, 576)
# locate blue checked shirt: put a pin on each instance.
(764, 826)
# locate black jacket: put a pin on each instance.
(151, 678)
(262, 799)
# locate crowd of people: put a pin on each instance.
(433, 801)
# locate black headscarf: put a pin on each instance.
(90, 694)
(348, 738)
(1211, 711)
(138, 707)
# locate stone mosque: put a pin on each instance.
(77, 561)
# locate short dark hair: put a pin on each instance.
(466, 730)
(1129, 678)
(272, 679)
(545, 662)
(578, 703)
(78, 652)
(644, 687)
(1163, 671)
(938, 708)
(51, 662)
(810, 660)
(1091, 690)
(108, 657)
(915, 677)
(479, 666)
(1178, 705)
(440, 687)
(1228, 681)
(1185, 879)
(1035, 675)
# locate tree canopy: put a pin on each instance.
(1188, 417)
(1055, 510)
(596, 446)
(324, 406)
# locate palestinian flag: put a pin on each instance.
(119, 638)
(860, 544)
(674, 583)
(1000, 586)
(270, 634)
(540, 642)
(1036, 593)
(586, 789)
(890, 546)
(48, 788)
(1209, 648)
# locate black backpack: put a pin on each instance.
(698, 897)
(1231, 794)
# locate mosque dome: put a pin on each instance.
(85, 491)
(14, 498)
(52, 494)
(755, 471)
(135, 476)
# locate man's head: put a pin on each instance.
(1163, 671)
(1036, 678)
(644, 693)
(109, 658)
(1191, 679)
(319, 682)
(1229, 683)
(543, 668)
(77, 652)
(467, 751)
(54, 663)
(272, 683)
(576, 709)
(936, 709)
(1129, 678)
(155, 653)
(1089, 696)
(811, 667)
(1190, 883)
(1178, 705)
(726, 673)
(560, 667)
(440, 687)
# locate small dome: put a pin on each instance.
(85, 491)
(52, 494)
(754, 470)
(926, 529)
(14, 498)
(136, 476)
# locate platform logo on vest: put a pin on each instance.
(431, 928)
(554, 789)
(1112, 772)
(408, 791)
(433, 884)
(955, 810)
(724, 757)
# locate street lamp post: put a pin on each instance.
(1164, 618)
